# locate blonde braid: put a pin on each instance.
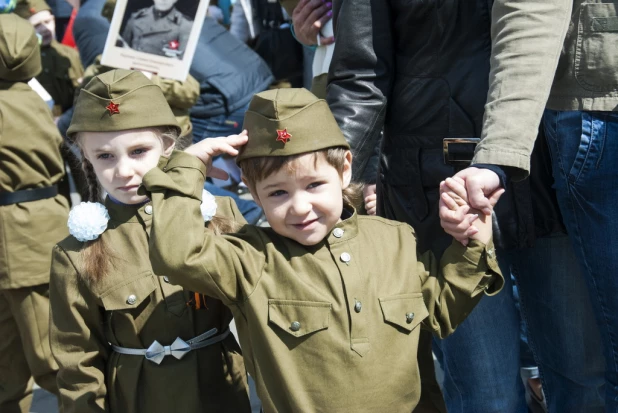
(94, 190)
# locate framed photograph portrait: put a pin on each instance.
(158, 36)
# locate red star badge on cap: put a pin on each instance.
(283, 136)
(113, 108)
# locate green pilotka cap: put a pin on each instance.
(20, 55)
(28, 8)
(120, 100)
(284, 122)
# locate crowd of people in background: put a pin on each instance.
(442, 104)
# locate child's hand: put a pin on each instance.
(209, 148)
(457, 220)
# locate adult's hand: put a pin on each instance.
(480, 184)
(309, 17)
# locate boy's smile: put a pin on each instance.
(303, 200)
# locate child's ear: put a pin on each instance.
(255, 196)
(169, 148)
(347, 170)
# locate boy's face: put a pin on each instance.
(305, 203)
(45, 25)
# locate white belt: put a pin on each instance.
(156, 352)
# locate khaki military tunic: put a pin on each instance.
(329, 328)
(164, 36)
(131, 307)
(61, 75)
(29, 158)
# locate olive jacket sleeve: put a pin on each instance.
(453, 285)
(77, 338)
(527, 38)
(361, 71)
(222, 266)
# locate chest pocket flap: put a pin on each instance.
(405, 310)
(130, 293)
(299, 318)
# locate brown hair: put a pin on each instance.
(96, 256)
(260, 168)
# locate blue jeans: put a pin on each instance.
(481, 359)
(583, 147)
(562, 335)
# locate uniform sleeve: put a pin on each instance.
(179, 95)
(226, 267)
(76, 72)
(454, 286)
(361, 71)
(77, 339)
(127, 33)
(527, 38)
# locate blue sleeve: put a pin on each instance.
(90, 31)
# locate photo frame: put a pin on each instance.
(157, 36)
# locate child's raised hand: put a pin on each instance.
(207, 149)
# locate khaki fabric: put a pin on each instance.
(331, 327)
(19, 49)
(86, 316)
(30, 158)
(181, 96)
(120, 100)
(27, 8)
(282, 122)
(61, 74)
(566, 59)
(24, 348)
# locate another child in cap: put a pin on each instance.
(128, 341)
(32, 218)
(328, 304)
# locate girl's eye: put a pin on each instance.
(277, 193)
(104, 156)
(140, 151)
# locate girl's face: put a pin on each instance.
(121, 159)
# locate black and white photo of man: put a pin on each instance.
(160, 29)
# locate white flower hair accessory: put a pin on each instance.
(208, 205)
(88, 220)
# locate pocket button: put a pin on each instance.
(409, 317)
(295, 326)
(131, 299)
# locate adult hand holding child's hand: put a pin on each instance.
(207, 149)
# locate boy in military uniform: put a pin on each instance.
(328, 304)
(32, 218)
(62, 69)
(159, 29)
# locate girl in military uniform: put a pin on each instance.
(126, 340)
(328, 304)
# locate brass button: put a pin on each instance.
(167, 280)
(345, 257)
(490, 252)
(295, 326)
(148, 209)
(131, 299)
(358, 306)
(409, 317)
(338, 232)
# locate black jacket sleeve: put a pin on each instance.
(359, 81)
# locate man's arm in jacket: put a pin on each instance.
(527, 38)
(360, 77)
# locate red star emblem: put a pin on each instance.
(283, 136)
(174, 45)
(113, 108)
